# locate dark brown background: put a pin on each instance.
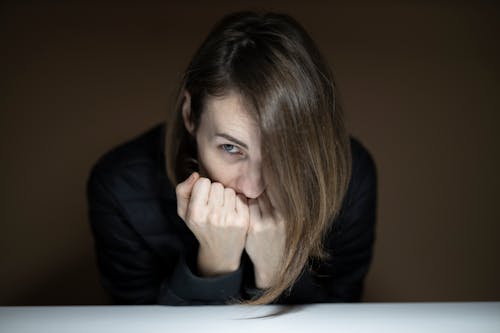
(419, 82)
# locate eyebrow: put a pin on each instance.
(230, 138)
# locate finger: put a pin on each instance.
(183, 192)
(229, 199)
(241, 205)
(199, 195)
(271, 198)
(265, 205)
(216, 196)
(254, 210)
(278, 217)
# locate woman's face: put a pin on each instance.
(228, 141)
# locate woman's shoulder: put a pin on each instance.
(134, 166)
(363, 163)
(142, 148)
(362, 190)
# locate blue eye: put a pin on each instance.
(231, 149)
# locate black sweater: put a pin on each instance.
(147, 255)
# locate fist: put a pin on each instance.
(218, 218)
(266, 241)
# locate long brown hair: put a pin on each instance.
(272, 62)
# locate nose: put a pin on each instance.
(250, 183)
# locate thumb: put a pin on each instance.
(183, 192)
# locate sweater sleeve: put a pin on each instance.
(183, 287)
(131, 273)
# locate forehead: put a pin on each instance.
(229, 114)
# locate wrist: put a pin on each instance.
(263, 280)
(209, 264)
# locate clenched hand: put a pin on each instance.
(225, 224)
(218, 218)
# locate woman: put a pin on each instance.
(273, 202)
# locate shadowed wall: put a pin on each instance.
(419, 83)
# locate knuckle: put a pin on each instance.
(202, 182)
(229, 192)
(217, 187)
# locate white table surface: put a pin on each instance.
(473, 317)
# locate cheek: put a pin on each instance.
(216, 167)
